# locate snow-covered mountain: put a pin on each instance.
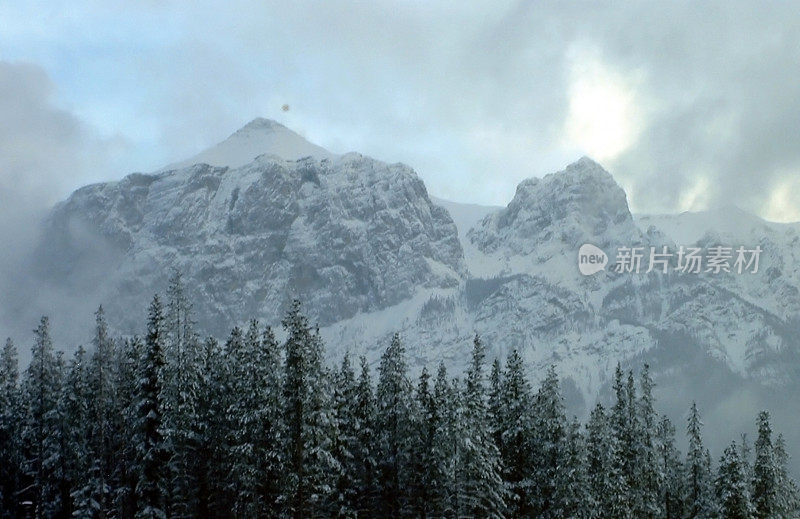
(266, 216)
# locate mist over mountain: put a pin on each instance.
(265, 217)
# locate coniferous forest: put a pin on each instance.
(169, 425)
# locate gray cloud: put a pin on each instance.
(475, 99)
(43, 151)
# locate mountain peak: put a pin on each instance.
(578, 204)
(260, 136)
(261, 124)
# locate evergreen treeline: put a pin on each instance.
(171, 426)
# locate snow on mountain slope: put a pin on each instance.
(258, 137)
(371, 254)
(776, 286)
(346, 234)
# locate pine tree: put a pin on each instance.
(254, 417)
(764, 471)
(181, 380)
(75, 408)
(604, 476)
(697, 486)
(344, 500)
(423, 466)
(648, 504)
(151, 455)
(733, 496)
(516, 428)
(104, 431)
(670, 469)
(10, 428)
(307, 420)
(572, 493)
(787, 504)
(395, 413)
(126, 382)
(364, 449)
(213, 428)
(480, 482)
(40, 435)
(445, 451)
(549, 445)
(622, 422)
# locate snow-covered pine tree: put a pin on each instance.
(651, 480)
(364, 450)
(604, 475)
(733, 496)
(105, 436)
(126, 405)
(41, 386)
(181, 386)
(395, 421)
(698, 498)
(423, 464)
(549, 438)
(441, 416)
(787, 504)
(308, 425)
(622, 422)
(516, 433)
(480, 482)
(151, 454)
(213, 427)
(344, 499)
(254, 416)
(670, 471)
(10, 428)
(572, 488)
(75, 409)
(764, 485)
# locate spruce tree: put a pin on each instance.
(651, 479)
(254, 416)
(670, 469)
(622, 422)
(395, 419)
(764, 483)
(516, 432)
(151, 454)
(549, 445)
(307, 421)
(697, 477)
(75, 408)
(733, 496)
(572, 494)
(364, 449)
(40, 434)
(10, 429)
(181, 382)
(787, 504)
(480, 480)
(344, 500)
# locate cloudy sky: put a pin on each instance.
(690, 105)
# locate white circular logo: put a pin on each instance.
(591, 259)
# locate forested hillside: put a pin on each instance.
(172, 425)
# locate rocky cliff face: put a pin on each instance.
(367, 250)
(346, 234)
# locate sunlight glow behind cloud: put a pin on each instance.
(603, 117)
